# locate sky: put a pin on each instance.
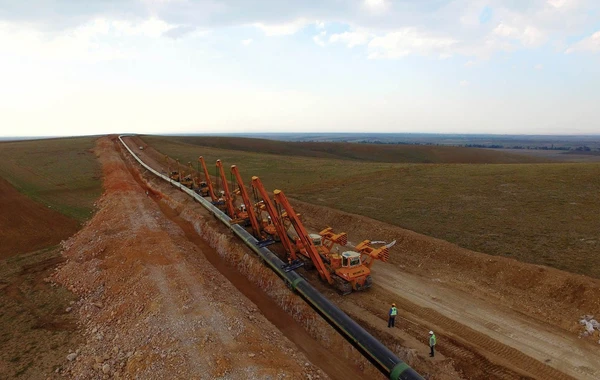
(71, 67)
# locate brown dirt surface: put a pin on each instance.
(27, 226)
(36, 326)
(152, 306)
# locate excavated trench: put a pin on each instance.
(337, 366)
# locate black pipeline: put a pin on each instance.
(372, 349)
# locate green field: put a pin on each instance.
(61, 173)
(539, 213)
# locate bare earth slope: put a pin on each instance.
(150, 304)
(27, 226)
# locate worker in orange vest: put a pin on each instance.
(392, 315)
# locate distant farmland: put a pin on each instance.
(539, 213)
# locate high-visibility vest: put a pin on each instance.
(394, 311)
(432, 340)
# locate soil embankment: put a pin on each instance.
(27, 226)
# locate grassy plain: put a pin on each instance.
(61, 173)
(275, 171)
(539, 213)
(357, 152)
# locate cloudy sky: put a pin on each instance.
(71, 67)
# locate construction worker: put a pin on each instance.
(392, 315)
(432, 342)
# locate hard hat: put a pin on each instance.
(431, 333)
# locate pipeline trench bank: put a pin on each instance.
(166, 290)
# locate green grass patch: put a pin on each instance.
(60, 173)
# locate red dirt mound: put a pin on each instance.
(27, 226)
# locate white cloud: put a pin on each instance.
(464, 83)
(77, 44)
(408, 41)
(532, 36)
(351, 39)
(284, 29)
(524, 24)
(589, 44)
(563, 4)
(148, 28)
(528, 36)
(377, 6)
(247, 42)
(539, 66)
(486, 48)
(320, 38)
(506, 31)
(89, 42)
